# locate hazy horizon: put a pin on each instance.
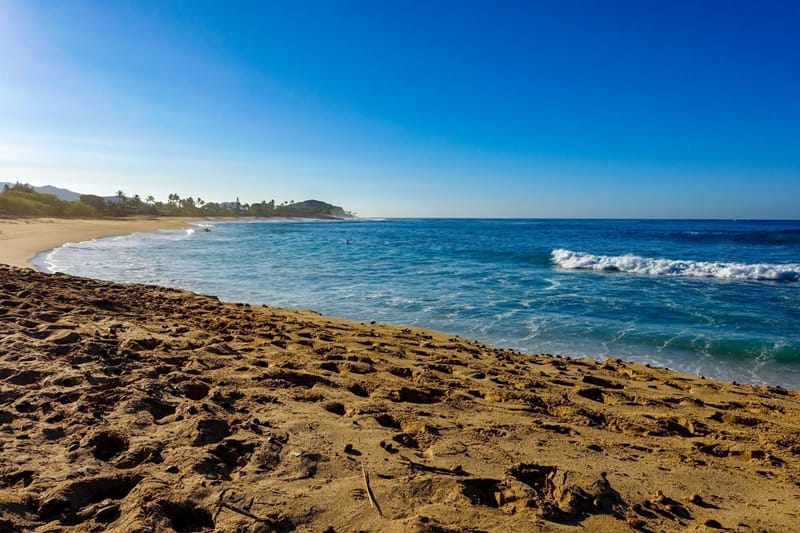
(628, 110)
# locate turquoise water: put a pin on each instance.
(716, 298)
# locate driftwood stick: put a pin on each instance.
(456, 471)
(219, 504)
(241, 511)
(222, 503)
(371, 496)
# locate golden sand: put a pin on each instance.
(136, 408)
(22, 238)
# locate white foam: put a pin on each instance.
(635, 264)
(95, 257)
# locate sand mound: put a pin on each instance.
(134, 408)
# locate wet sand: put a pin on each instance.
(22, 238)
(136, 408)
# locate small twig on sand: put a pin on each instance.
(219, 504)
(222, 503)
(455, 471)
(371, 496)
(241, 511)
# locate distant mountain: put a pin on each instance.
(61, 194)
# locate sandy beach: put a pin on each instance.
(22, 238)
(140, 408)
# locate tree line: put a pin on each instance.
(22, 200)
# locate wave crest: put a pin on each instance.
(635, 264)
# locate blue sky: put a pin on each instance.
(523, 109)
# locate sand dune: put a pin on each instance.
(135, 408)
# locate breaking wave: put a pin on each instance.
(635, 264)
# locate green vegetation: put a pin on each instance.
(22, 200)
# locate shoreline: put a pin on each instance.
(27, 237)
(137, 407)
(181, 390)
(22, 239)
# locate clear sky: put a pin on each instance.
(436, 108)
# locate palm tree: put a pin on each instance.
(187, 204)
(172, 202)
(122, 202)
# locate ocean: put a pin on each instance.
(715, 298)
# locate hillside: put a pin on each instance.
(311, 209)
(17, 199)
(62, 194)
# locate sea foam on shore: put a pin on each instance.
(711, 305)
(126, 407)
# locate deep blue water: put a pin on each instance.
(717, 298)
